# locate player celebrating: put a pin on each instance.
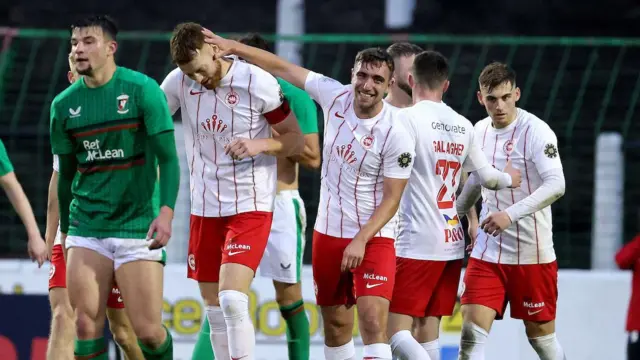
(403, 53)
(430, 245)
(61, 335)
(111, 129)
(9, 183)
(282, 259)
(513, 257)
(230, 107)
(366, 165)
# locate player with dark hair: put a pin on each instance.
(282, 259)
(229, 108)
(367, 161)
(60, 343)
(403, 54)
(430, 244)
(513, 260)
(111, 129)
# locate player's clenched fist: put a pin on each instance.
(353, 254)
(242, 148)
(516, 175)
(161, 227)
(496, 223)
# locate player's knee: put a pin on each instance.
(62, 315)
(150, 334)
(337, 330)
(233, 303)
(370, 321)
(86, 327)
(287, 295)
(123, 335)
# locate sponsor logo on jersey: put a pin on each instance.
(532, 305)
(347, 154)
(75, 113)
(95, 152)
(215, 128)
(123, 104)
(455, 232)
(371, 276)
(456, 129)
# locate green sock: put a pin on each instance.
(203, 348)
(94, 349)
(297, 330)
(164, 352)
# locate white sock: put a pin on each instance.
(218, 332)
(240, 332)
(344, 352)
(547, 347)
(472, 342)
(404, 346)
(376, 351)
(433, 349)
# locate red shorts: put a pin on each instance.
(58, 278)
(374, 277)
(239, 239)
(425, 287)
(531, 290)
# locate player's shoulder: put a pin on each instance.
(67, 96)
(243, 73)
(134, 77)
(534, 123)
(482, 124)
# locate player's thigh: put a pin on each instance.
(445, 293)
(332, 286)
(533, 292)
(414, 286)
(282, 259)
(139, 275)
(338, 324)
(246, 238)
(376, 274)
(483, 292)
(206, 241)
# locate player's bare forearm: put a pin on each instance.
(289, 141)
(472, 217)
(629, 254)
(53, 213)
(391, 195)
(68, 168)
(271, 63)
(20, 203)
(310, 156)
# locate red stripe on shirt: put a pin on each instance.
(355, 187)
(253, 161)
(375, 184)
(326, 174)
(526, 171)
(513, 201)
(233, 161)
(493, 163)
(215, 159)
(339, 180)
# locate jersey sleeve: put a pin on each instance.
(56, 163)
(322, 89)
(302, 106)
(61, 143)
(5, 164)
(155, 110)
(273, 104)
(475, 159)
(544, 149)
(399, 152)
(171, 88)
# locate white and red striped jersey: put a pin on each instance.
(357, 155)
(445, 144)
(532, 147)
(245, 103)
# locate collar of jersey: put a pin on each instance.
(115, 74)
(519, 115)
(226, 80)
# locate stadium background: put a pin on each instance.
(577, 67)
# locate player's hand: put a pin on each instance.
(496, 223)
(37, 249)
(242, 148)
(225, 46)
(161, 227)
(353, 254)
(516, 175)
(473, 235)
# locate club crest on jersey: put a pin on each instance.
(123, 104)
(508, 147)
(232, 99)
(404, 160)
(367, 141)
(551, 151)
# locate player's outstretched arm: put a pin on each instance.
(305, 110)
(552, 189)
(273, 64)
(627, 257)
(53, 213)
(470, 194)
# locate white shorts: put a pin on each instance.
(282, 259)
(120, 251)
